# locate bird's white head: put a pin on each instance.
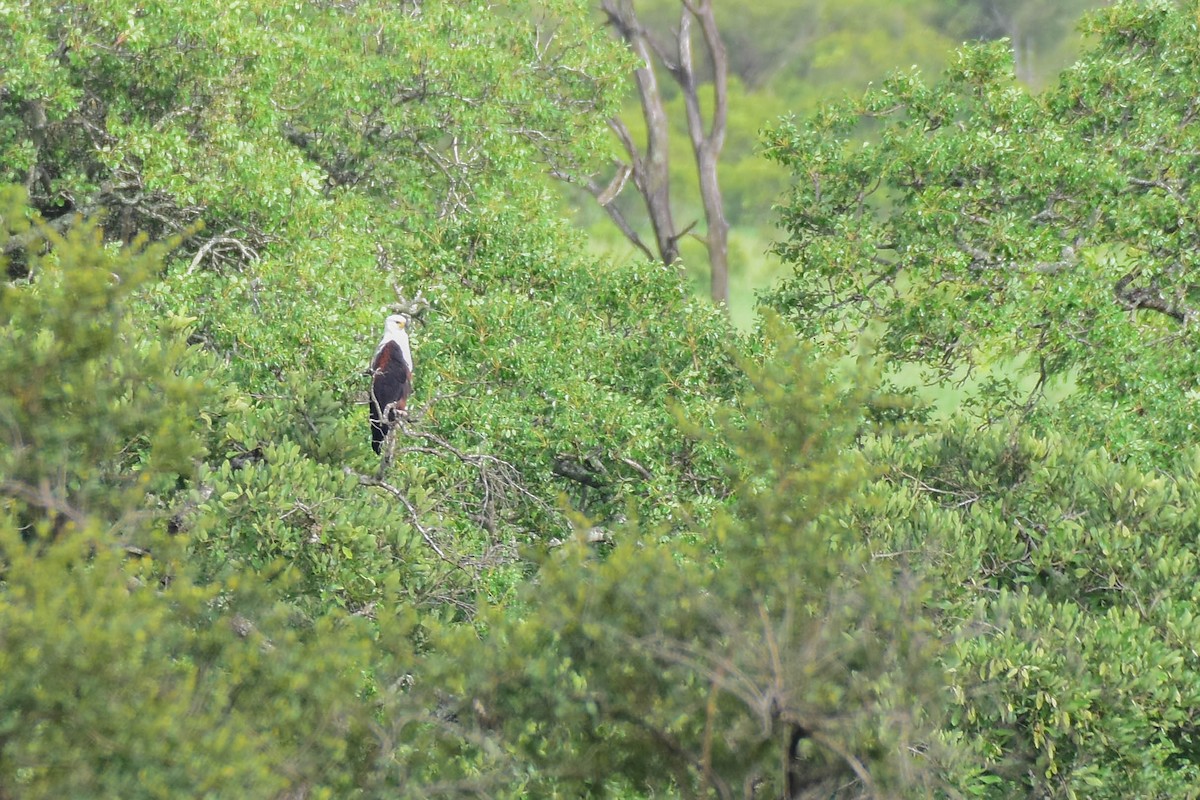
(395, 328)
(395, 325)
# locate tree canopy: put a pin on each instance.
(991, 225)
(615, 548)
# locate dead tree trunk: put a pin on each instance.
(707, 141)
(649, 166)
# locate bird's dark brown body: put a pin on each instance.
(391, 381)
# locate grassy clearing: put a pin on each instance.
(948, 396)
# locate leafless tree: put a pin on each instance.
(648, 165)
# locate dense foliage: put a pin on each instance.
(989, 224)
(1023, 241)
(123, 675)
(771, 663)
(615, 549)
(1067, 583)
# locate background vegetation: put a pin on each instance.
(622, 548)
(785, 58)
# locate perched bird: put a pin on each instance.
(391, 378)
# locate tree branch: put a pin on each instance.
(1148, 298)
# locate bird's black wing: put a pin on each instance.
(391, 385)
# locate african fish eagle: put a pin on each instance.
(391, 378)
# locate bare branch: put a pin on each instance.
(605, 195)
(216, 243)
(618, 218)
(635, 466)
(1148, 298)
(626, 138)
(615, 185)
(38, 232)
(414, 517)
(651, 166)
